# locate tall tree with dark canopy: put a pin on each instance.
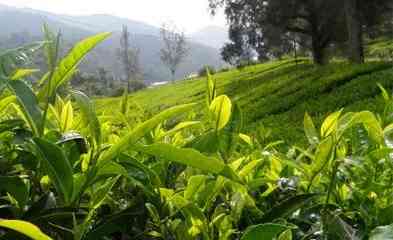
(268, 24)
(317, 19)
(175, 47)
(364, 14)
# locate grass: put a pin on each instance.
(276, 94)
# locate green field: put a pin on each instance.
(276, 94)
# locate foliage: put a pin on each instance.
(202, 71)
(275, 95)
(190, 171)
(274, 28)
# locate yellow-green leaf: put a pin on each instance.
(178, 128)
(67, 117)
(22, 73)
(322, 154)
(25, 228)
(310, 130)
(247, 139)
(221, 108)
(5, 102)
(190, 157)
(211, 88)
(330, 124)
(140, 131)
(68, 65)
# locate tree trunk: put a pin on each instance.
(129, 85)
(318, 52)
(354, 29)
(173, 75)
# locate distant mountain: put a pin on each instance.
(212, 36)
(22, 25)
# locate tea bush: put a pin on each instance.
(190, 171)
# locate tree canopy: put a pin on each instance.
(274, 27)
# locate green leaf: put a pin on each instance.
(140, 131)
(247, 139)
(5, 102)
(57, 167)
(178, 128)
(97, 199)
(382, 233)
(22, 73)
(330, 124)
(206, 143)
(16, 188)
(79, 181)
(367, 119)
(51, 48)
(29, 104)
(211, 91)
(66, 117)
(114, 223)
(249, 167)
(322, 154)
(336, 228)
(68, 65)
(287, 207)
(102, 192)
(89, 114)
(191, 158)
(124, 102)
(384, 93)
(221, 108)
(310, 130)
(25, 228)
(268, 231)
(286, 235)
(371, 124)
(194, 184)
(229, 136)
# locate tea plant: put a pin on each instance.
(68, 173)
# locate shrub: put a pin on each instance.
(67, 173)
(202, 71)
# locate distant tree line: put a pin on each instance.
(272, 28)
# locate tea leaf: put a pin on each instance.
(25, 228)
(221, 108)
(57, 167)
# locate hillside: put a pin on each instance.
(277, 94)
(22, 26)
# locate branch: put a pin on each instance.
(298, 30)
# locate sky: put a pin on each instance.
(189, 15)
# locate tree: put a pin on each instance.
(272, 20)
(320, 24)
(102, 76)
(364, 14)
(175, 48)
(354, 30)
(129, 57)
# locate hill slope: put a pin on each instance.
(277, 94)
